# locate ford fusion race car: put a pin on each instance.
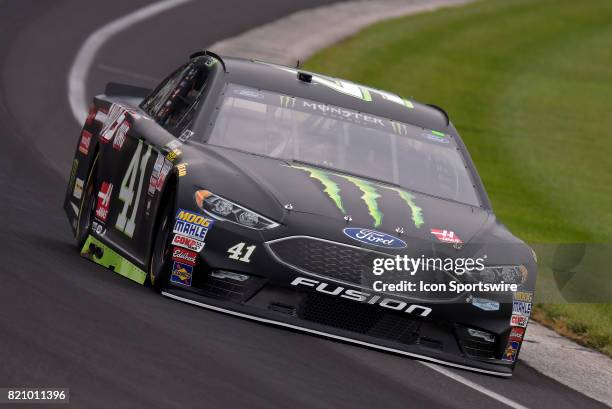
(292, 198)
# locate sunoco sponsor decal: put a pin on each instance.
(374, 238)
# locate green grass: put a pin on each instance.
(528, 84)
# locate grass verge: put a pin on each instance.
(528, 84)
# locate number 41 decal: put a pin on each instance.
(236, 252)
(126, 194)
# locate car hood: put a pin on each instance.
(268, 185)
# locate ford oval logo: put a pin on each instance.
(374, 238)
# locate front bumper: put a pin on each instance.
(353, 322)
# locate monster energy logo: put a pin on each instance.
(331, 188)
(287, 101)
(370, 194)
(370, 197)
(399, 128)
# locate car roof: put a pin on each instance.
(284, 80)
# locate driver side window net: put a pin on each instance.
(175, 101)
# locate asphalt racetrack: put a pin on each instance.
(66, 322)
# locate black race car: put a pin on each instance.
(302, 200)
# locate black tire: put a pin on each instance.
(160, 262)
(87, 207)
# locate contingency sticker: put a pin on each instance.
(192, 224)
(446, 236)
(181, 273)
(521, 308)
(104, 196)
(519, 321)
(184, 256)
(511, 351)
(85, 142)
(437, 136)
(78, 189)
(188, 243)
(517, 333)
(525, 296)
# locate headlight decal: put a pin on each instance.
(224, 209)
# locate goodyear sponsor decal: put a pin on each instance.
(181, 273)
(192, 224)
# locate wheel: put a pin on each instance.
(160, 263)
(87, 207)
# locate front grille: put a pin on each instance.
(328, 259)
(350, 265)
(361, 318)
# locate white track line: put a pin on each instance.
(84, 59)
(475, 386)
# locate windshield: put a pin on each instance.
(296, 129)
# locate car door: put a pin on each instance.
(141, 145)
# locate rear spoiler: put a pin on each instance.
(116, 89)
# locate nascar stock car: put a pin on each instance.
(269, 193)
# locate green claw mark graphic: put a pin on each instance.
(417, 212)
(370, 196)
(331, 188)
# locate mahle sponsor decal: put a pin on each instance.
(374, 238)
(363, 297)
(521, 308)
(192, 224)
(370, 195)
